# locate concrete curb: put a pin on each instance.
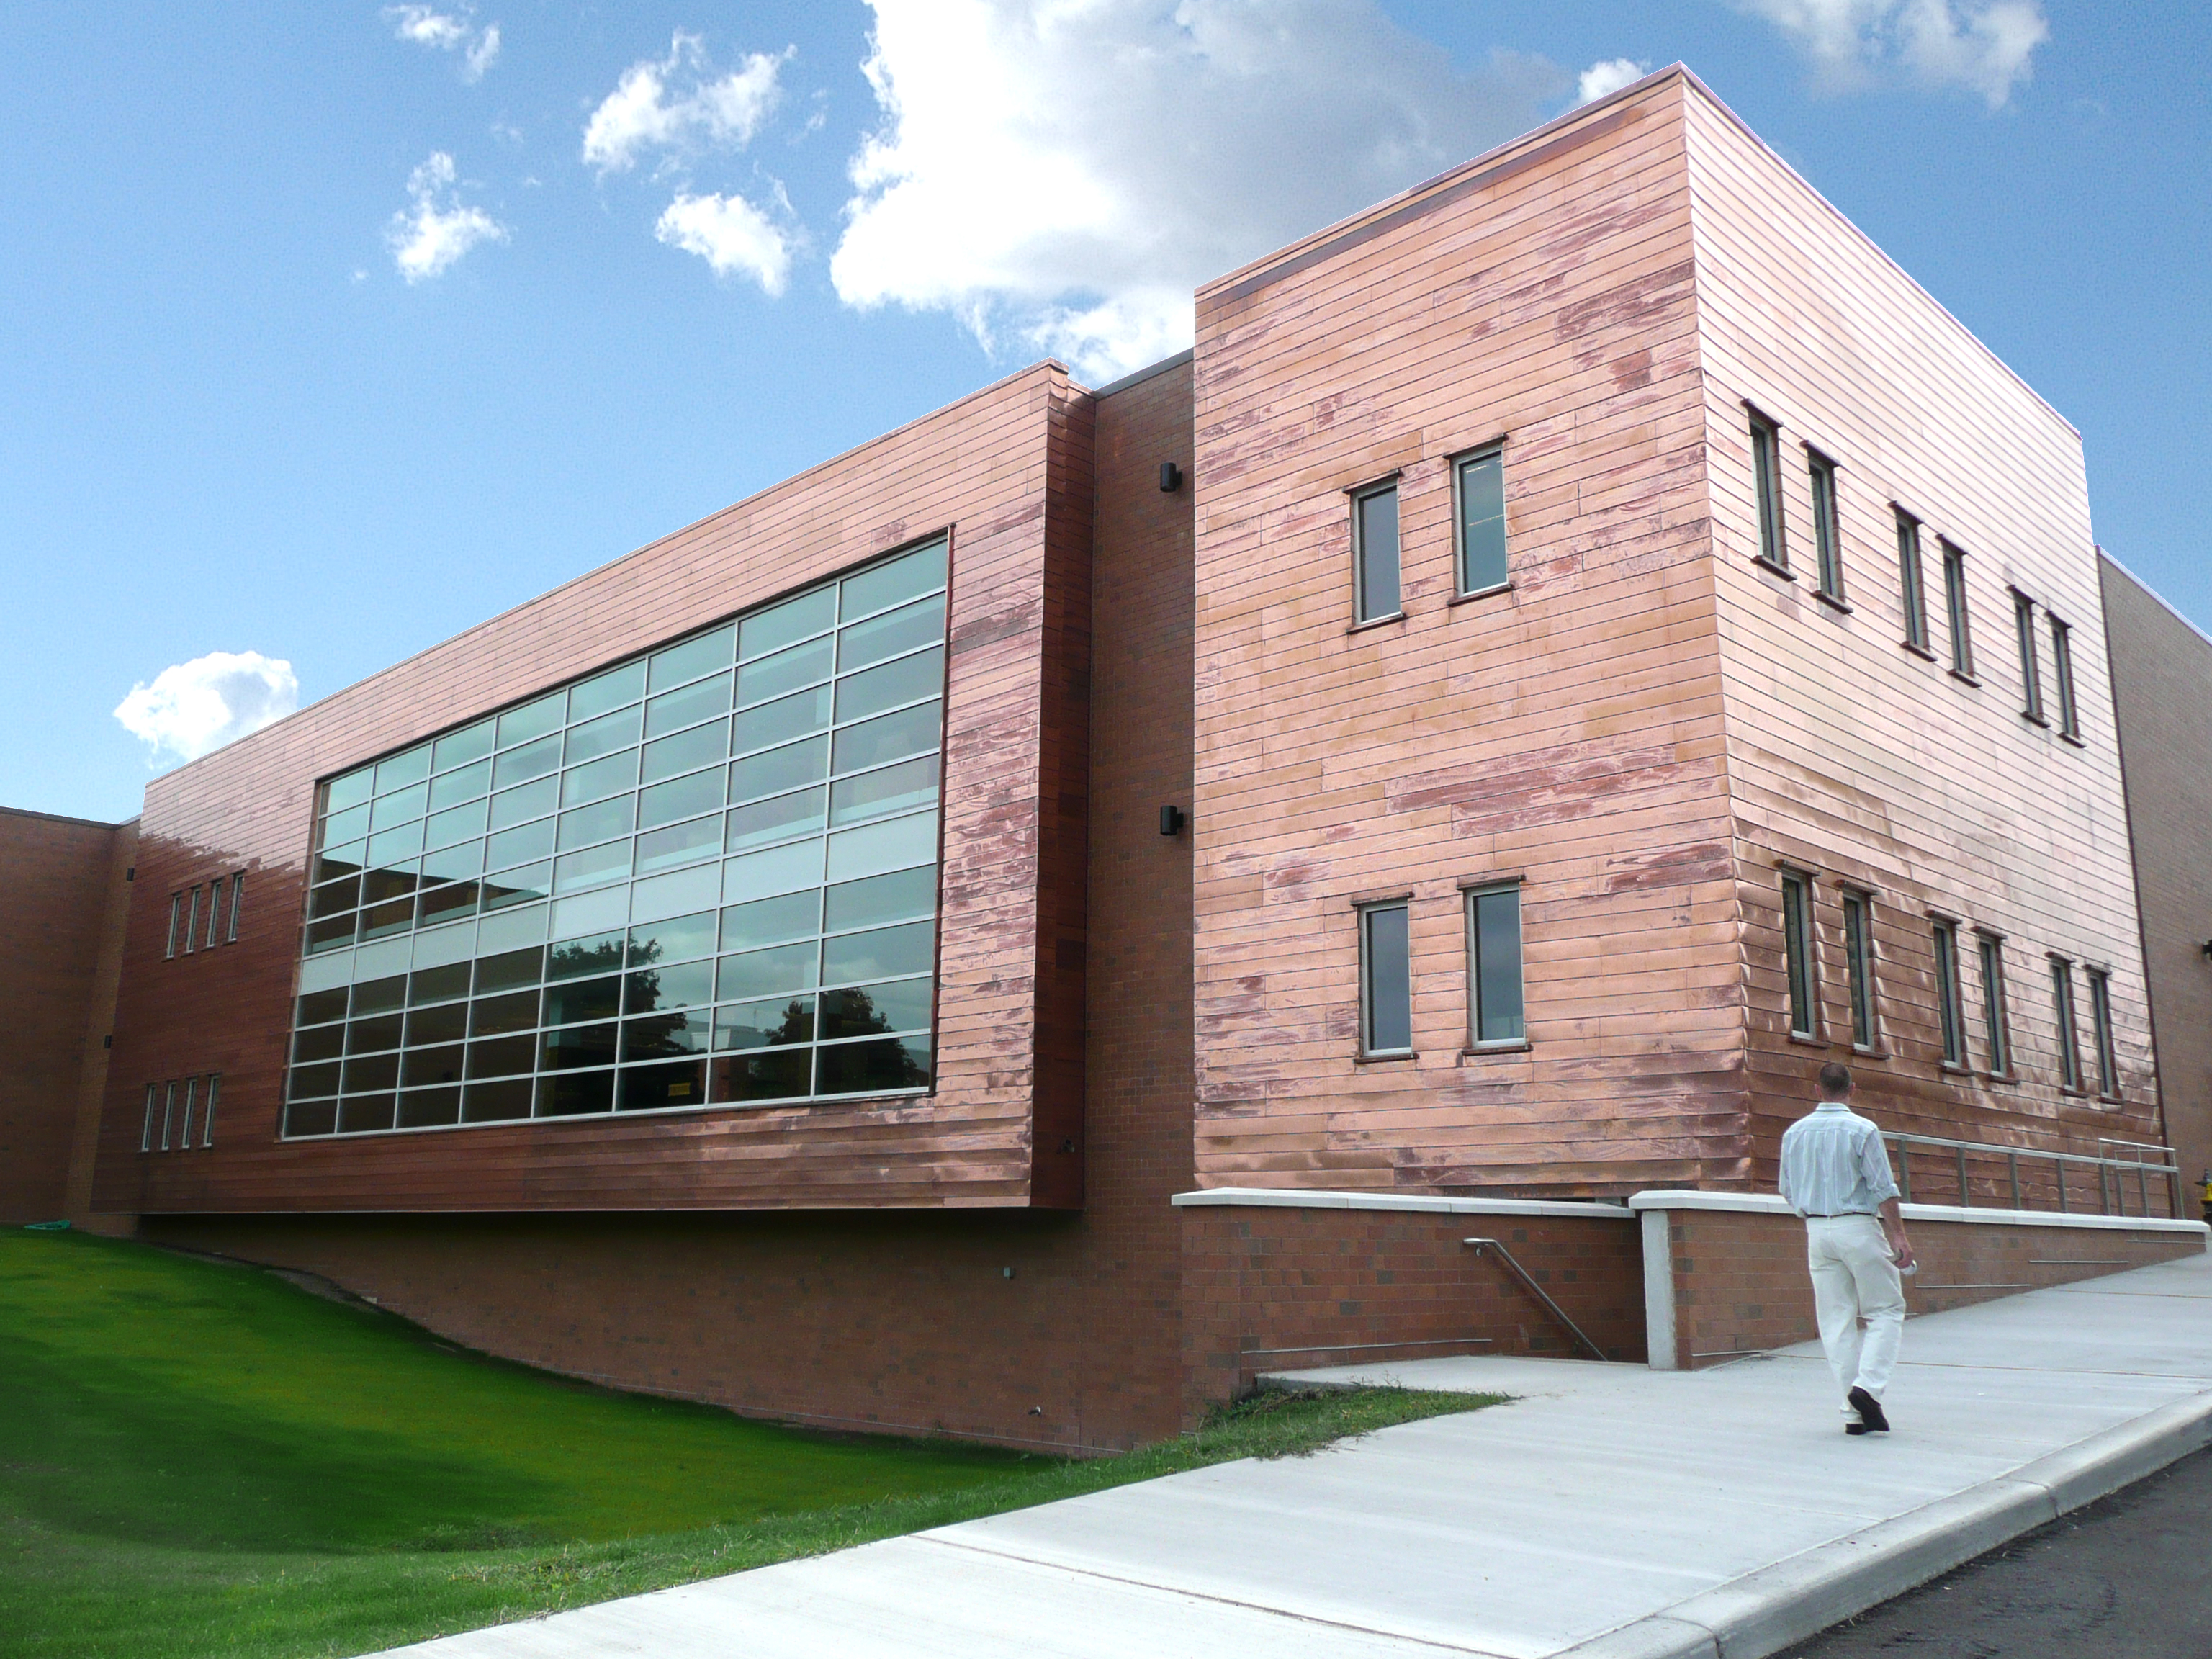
(1768, 1610)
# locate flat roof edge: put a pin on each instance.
(2171, 609)
(1138, 377)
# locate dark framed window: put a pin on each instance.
(237, 900)
(1912, 584)
(168, 1112)
(146, 1135)
(2100, 1017)
(2031, 673)
(2062, 1013)
(1827, 542)
(1797, 952)
(1766, 476)
(192, 1100)
(1496, 1014)
(176, 915)
(1479, 482)
(1859, 956)
(1386, 984)
(1375, 550)
(207, 1109)
(215, 912)
(1950, 1003)
(1997, 1027)
(191, 919)
(1955, 606)
(2062, 677)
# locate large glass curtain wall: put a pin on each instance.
(705, 877)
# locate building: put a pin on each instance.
(995, 933)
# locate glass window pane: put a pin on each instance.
(322, 1043)
(684, 985)
(883, 898)
(574, 1095)
(344, 860)
(784, 673)
(918, 572)
(444, 1022)
(665, 1036)
(517, 1011)
(887, 738)
(398, 806)
(856, 1068)
(780, 722)
(532, 720)
(1482, 523)
(382, 921)
(762, 1075)
(351, 790)
(764, 972)
(1498, 967)
(573, 871)
(1387, 979)
(573, 958)
(892, 789)
(314, 1081)
(453, 863)
(677, 939)
(889, 684)
(377, 996)
(679, 798)
(662, 1087)
(380, 885)
(579, 1046)
(701, 746)
(601, 737)
(872, 1010)
(392, 847)
(374, 1033)
(440, 1065)
(774, 819)
(365, 1116)
(778, 770)
(589, 824)
(689, 660)
(314, 1117)
(1376, 522)
(532, 760)
(611, 690)
(766, 921)
(334, 899)
(881, 954)
(891, 845)
(531, 841)
(460, 823)
(317, 1006)
(680, 844)
(401, 770)
(525, 885)
(346, 826)
(371, 1074)
(531, 801)
(509, 969)
(568, 1001)
(439, 984)
(502, 1056)
(773, 1023)
(601, 777)
(688, 706)
(794, 619)
(891, 634)
(445, 903)
(494, 1102)
(459, 748)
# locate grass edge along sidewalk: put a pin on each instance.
(163, 1378)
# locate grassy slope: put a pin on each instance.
(198, 1459)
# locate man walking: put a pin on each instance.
(1835, 1172)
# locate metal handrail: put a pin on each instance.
(2110, 1171)
(1534, 1290)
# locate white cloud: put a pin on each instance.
(731, 235)
(1611, 76)
(1065, 175)
(1986, 47)
(194, 707)
(677, 102)
(430, 236)
(425, 26)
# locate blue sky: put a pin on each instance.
(329, 330)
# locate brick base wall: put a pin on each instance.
(1275, 1288)
(1741, 1284)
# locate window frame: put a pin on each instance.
(176, 915)
(215, 912)
(1912, 581)
(1472, 897)
(1800, 953)
(1997, 1012)
(2062, 666)
(2100, 1017)
(168, 1111)
(1366, 914)
(237, 900)
(2031, 665)
(1820, 470)
(146, 1135)
(1359, 496)
(192, 920)
(1859, 963)
(1767, 492)
(207, 1109)
(1950, 995)
(2065, 1017)
(1957, 612)
(1494, 451)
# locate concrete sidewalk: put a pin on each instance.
(1611, 1510)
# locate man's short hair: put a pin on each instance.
(1835, 1080)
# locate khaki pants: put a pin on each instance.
(1854, 1279)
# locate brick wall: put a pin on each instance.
(53, 908)
(1271, 1287)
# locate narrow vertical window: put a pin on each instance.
(146, 1135)
(2062, 676)
(1766, 473)
(1954, 605)
(207, 1112)
(1375, 550)
(192, 920)
(176, 915)
(168, 1112)
(1858, 954)
(1913, 587)
(2031, 673)
(2100, 1016)
(1493, 966)
(1481, 484)
(1950, 1005)
(237, 899)
(2062, 1012)
(1996, 1032)
(215, 912)
(1386, 988)
(1797, 949)
(184, 1127)
(1826, 541)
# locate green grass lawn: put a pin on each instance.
(198, 1458)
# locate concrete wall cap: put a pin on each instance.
(1772, 1204)
(1292, 1198)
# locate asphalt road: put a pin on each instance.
(2129, 1575)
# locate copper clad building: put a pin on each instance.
(1573, 648)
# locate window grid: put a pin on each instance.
(2061, 1011)
(1950, 1003)
(1913, 585)
(1374, 552)
(1995, 1028)
(2062, 675)
(2100, 1016)
(200, 1094)
(1826, 543)
(1766, 473)
(626, 776)
(1955, 612)
(1797, 949)
(1497, 1010)
(1480, 482)
(1386, 1018)
(2031, 674)
(1858, 951)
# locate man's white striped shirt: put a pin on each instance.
(1833, 1163)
